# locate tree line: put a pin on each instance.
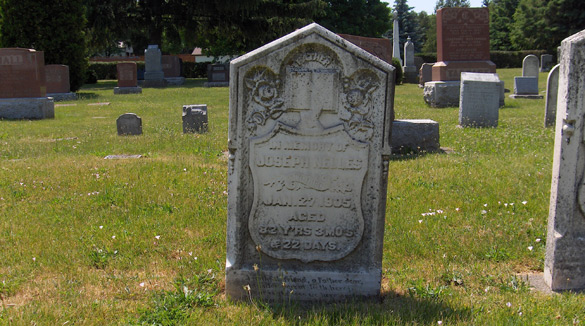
(69, 31)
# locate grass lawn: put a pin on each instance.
(89, 241)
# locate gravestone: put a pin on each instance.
(380, 47)
(127, 79)
(396, 38)
(552, 91)
(410, 72)
(129, 124)
(480, 100)
(546, 62)
(23, 90)
(57, 79)
(309, 134)
(564, 263)
(530, 66)
(153, 74)
(171, 66)
(526, 87)
(195, 118)
(463, 45)
(415, 136)
(218, 75)
(425, 74)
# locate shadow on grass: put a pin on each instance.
(390, 309)
(86, 96)
(408, 154)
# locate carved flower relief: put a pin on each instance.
(264, 101)
(358, 91)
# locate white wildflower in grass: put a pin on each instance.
(519, 313)
(524, 202)
(101, 227)
(537, 240)
(440, 322)
(484, 205)
(209, 271)
(530, 248)
(141, 284)
(483, 212)
(511, 204)
(190, 253)
(185, 169)
(420, 221)
(113, 237)
(440, 211)
(486, 289)
(508, 304)
(457, 209)
(505, 204)
(157, 237)
(34, 259)
(195, 258)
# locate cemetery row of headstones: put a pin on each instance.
(194, 121)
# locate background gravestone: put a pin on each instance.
(380, 47)
(396, 38)
(410, 72)
(425, 74)
(195, 118)
(57, 79)
(309, 144)
(218, 75)
(129, 124)
(552, 91)
(23, 90)
(463, 44)
(153, 74)
(564, 263)
(546, 62)
(127, 79)
(171, 66)
(480, 100)
(530, 66)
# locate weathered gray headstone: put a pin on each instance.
(564, 266)
(153, 74)
(418, 135)
(480, 100)
(410, 72)
(530, 66)
(552, 91)
(195, 118)
(129, 124)
(309, 144)
(526, 87)
(546, 62)
(425, 73)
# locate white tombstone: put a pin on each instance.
(530, 66)
(564, 266)
(479, 100)
(552, 91)
(410, 73)
(309, 144)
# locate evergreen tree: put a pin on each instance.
(370, 18)
(408, 24)
(55, 27)
(451, 3)
(502, 21)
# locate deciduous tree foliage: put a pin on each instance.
(502, 21)
(370, 18)
(55, 27)
(451, 3)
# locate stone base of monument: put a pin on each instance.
(177, 81)
(442, 94)
(128, 90)
(27, 108)
(301, 286)
(63, 96)
(420, 135)
(526, 96)
(451, 70)
(410, 75)
(153, 83)
(216, 84)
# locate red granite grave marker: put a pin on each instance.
(127, 74)
(57, 78)
(22, 73)
(171, 66)
(380, 47)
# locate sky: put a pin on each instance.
(428, 5)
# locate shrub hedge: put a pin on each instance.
(107, 70)
(502, 59)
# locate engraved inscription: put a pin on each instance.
(126, 75)
(307, 203)
(11, 60)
